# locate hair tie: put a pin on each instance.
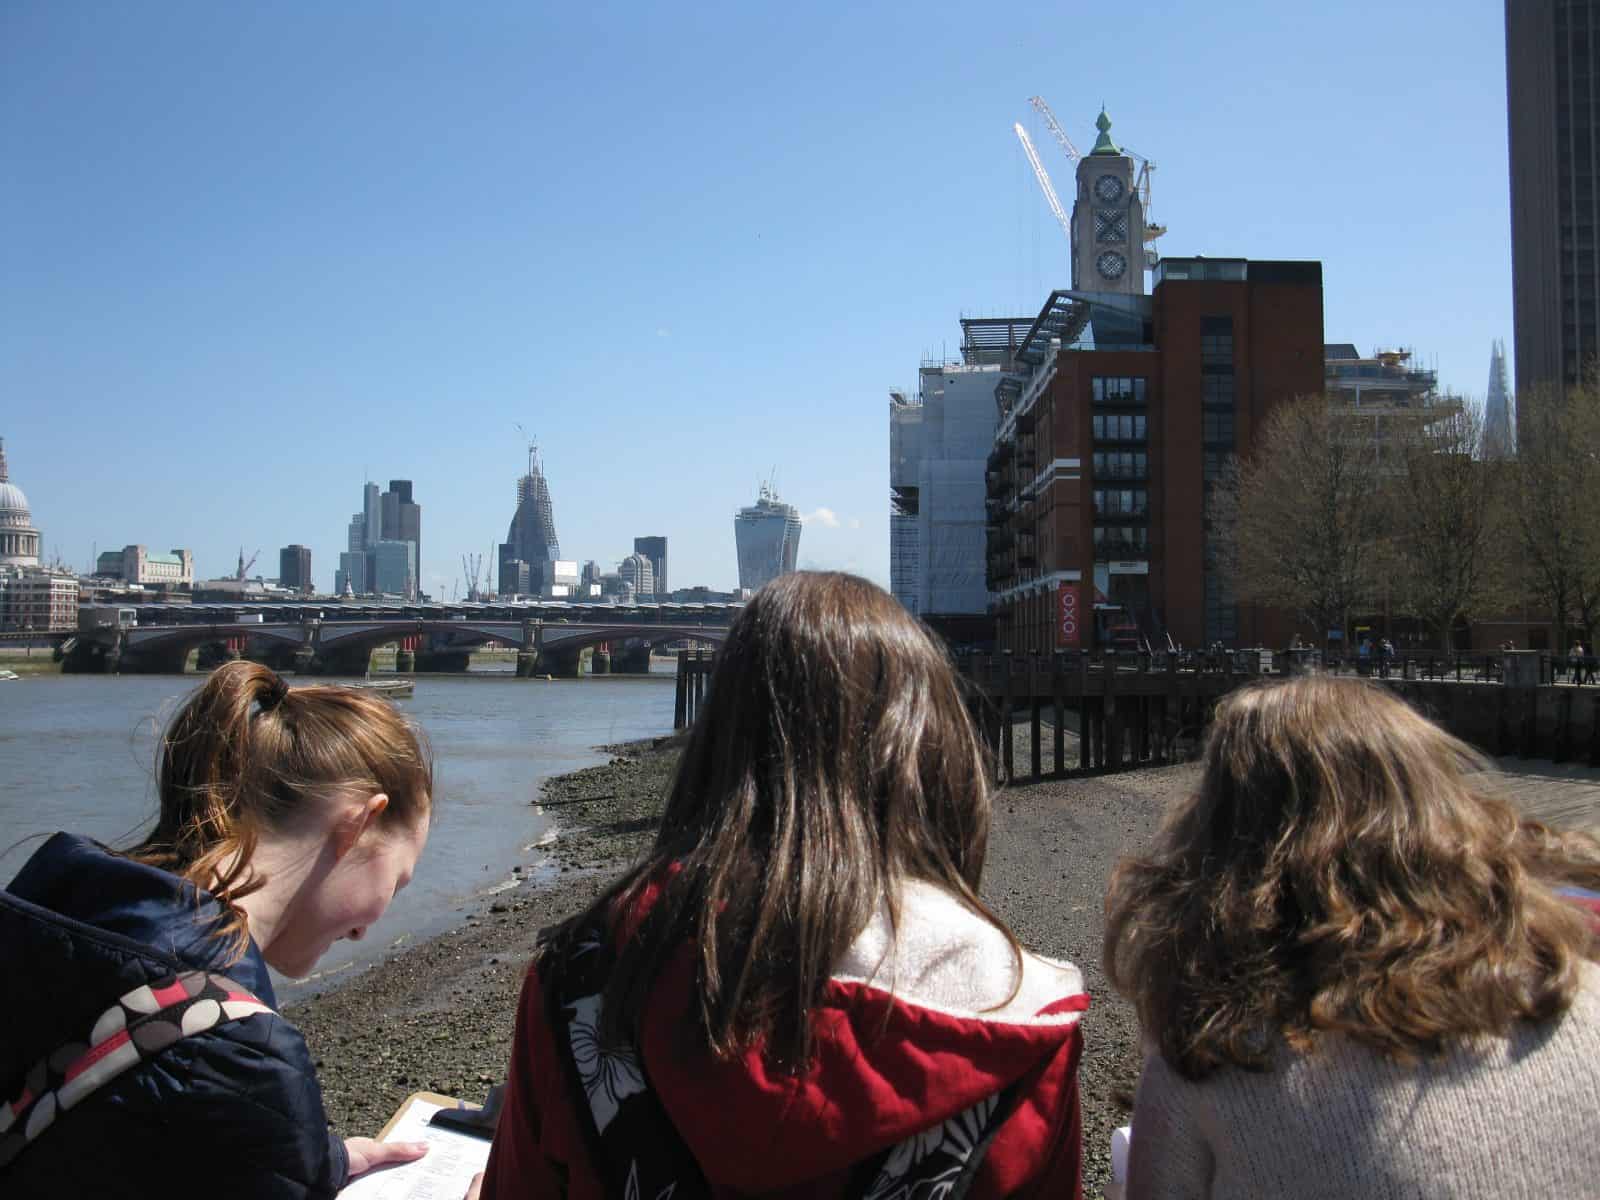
(275, 694)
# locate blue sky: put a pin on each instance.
(252, 253)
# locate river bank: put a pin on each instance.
(439, 1016)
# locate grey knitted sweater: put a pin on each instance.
(1501, 1118)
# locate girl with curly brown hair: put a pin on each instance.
(1354, 968)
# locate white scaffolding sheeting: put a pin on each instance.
(938, 445)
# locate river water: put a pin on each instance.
(77, 753)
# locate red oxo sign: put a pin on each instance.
(1067, 616)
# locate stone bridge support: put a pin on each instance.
(89, 656)
(449, 658)
(341, 660)
(564, 662)
(632, 658)
(532, 645)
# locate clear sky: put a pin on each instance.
(250, 254)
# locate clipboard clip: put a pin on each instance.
(470, 1119)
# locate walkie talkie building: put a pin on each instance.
(767, 536)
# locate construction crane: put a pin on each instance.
(1043, 177)
(245, 565)
(471, 567)
(1141, 184)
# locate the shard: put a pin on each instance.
(1499, 422)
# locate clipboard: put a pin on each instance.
(441, 1100)
(454, 1156)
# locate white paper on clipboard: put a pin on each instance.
(443, 1173)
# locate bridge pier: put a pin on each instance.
(631, 660)
(441, 661)
(561, 663)
(341, 660)
(91, 657)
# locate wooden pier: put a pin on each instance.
(1131, 710)
(694, 676)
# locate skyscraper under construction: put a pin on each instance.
(528, 554)
(767, 536)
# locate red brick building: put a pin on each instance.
(1120, 412)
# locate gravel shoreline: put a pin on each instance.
(438, 1016)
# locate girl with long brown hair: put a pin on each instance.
(1353, 967)
(142, 1054)
(799, 991)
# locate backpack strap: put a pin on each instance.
(137, 1027)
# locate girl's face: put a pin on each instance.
(347, 898)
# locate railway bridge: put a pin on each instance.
(335, 640)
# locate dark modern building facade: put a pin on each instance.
(1553, 120)
(1119, 416)
(294, 568)
(655, 549)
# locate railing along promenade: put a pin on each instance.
(1137, 709)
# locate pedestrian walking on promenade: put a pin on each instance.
(799, 992)
(142, 1056)
(1354, 968)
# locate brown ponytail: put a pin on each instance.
(245, 755)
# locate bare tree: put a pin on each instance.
(1447, 521)
(1555, 486)
(1299, 523)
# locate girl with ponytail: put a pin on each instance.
(142, 1048)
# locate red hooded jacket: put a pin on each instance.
(890, 1109)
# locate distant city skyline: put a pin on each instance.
(248, 256)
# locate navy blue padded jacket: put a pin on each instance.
(235, 1110)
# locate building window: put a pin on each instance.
(1121, 541)
(1216, 428)
(1121, 502)
(1121, 464)
(1221, 617)
(1213, 463)
(1118, 389)
(1118, 427)
(1216, 389)
(1216, 341)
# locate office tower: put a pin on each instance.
(637, 573)
(352, 576)
(294, 568)
(1553, 120)
(402, 522)
(766, 536)
(531, 548)
(655, 549)
(394, 568)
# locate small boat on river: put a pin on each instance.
(6, 674)
(392, 689)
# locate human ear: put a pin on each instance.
(358, 817)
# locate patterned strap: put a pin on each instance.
(137, 1027)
